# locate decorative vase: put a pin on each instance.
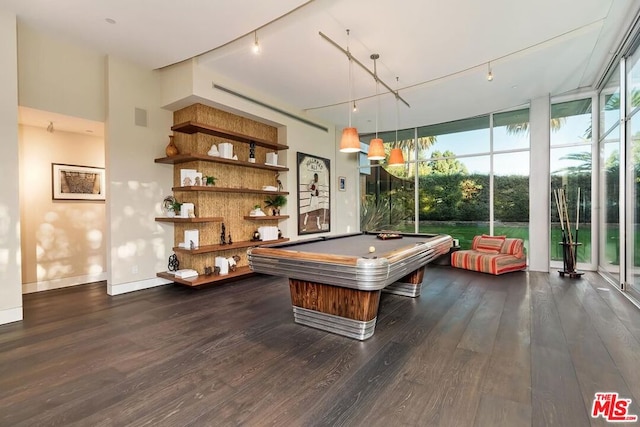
(171, 149)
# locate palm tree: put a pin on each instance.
(408, 147)
(522, 128)
(584, 167)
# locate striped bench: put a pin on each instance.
(492, 254)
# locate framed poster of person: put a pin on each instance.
(314, 194)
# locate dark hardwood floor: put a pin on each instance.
(523, 349)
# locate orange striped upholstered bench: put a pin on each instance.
(492, 254)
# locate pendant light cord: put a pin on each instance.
(375, 56)
(350, 78)
(397, 109)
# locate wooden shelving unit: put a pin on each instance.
(185, 158)
(227, 190)
(235, 245)
(189, 220)
(200, 280)
(198, 127)
(194, 127)
(265, 217)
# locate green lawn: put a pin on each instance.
(465, 233)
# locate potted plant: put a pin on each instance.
(174, 209)
(256, 211)
(210, 181)
(275, 203)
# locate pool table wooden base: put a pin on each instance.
(345, 311)
(409, 286)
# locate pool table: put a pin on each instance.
(335, 281)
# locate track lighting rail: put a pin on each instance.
(372, 73)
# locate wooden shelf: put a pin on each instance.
(194, 127)
(265, 217)
(185, 158)
(227, 190)
(217, 199)
(235, 245)
(204, 280)
(189, 220)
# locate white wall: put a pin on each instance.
(60, 77)
(138, 247)
(10, 275)
(63, 241)
(300, 137)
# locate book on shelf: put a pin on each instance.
(185, 273)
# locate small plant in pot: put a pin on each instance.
(174, 209)
(256, 211)
(210, 181)
(275, 203)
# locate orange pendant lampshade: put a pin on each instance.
(350, 142)
(376, 150)
(396, 157)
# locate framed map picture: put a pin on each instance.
(72, 182)
(314, 194)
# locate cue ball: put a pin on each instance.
(372, 249)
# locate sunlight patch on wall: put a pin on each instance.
(127, 250)
(4, 259)
(51, 216)
(96, 268)
(159, 247)
(5, 221)
(68, 235)
(94, 239)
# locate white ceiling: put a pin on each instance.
(439, 49)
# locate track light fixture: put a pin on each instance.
(256, 44)
(376, 146)
(350, 141)
(364, 67)
(50, 128)
(489, 73)
(396, 158)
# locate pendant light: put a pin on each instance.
(350, 141)
(376, 147)
(396, 158)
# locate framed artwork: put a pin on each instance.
(73, 182)
(342, 183)
(314, 194)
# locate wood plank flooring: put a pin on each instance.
(523, 349)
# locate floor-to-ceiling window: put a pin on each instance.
(633, 174)
(571, 162)
(453, 176)
(510, 148)
(609, 144)
(464, 178)
(387, 192)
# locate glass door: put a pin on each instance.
(609, 137)
(633, 175)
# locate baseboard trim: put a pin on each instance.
(10, 315)
(123, 288)
(28, 288)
